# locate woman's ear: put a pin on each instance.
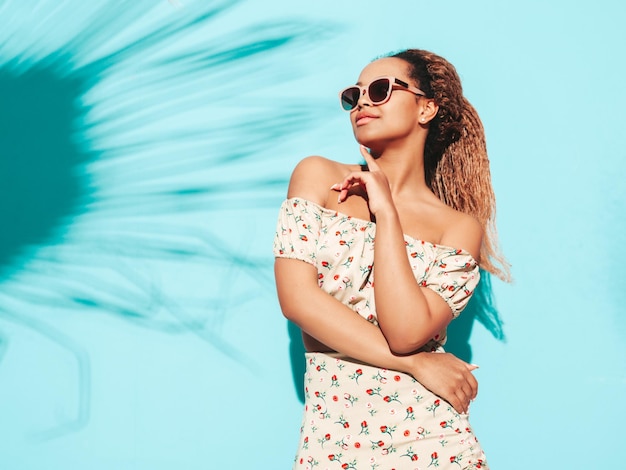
(428, 110)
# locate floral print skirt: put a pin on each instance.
(364, 418)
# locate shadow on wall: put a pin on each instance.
(41, 187)
(481, 308)
(92, 204)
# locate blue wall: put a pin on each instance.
(144, 150)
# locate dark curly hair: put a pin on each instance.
(455, 153)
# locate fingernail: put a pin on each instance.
(475, 366)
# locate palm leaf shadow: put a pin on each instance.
(88, 179)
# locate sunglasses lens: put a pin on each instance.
(350, 97)
(379, 90)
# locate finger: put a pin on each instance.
(473, 383)
(351, 182)
(464, 399)
(467, 395)
(371, 161)
(352, 179)
(343, 195)
(344, 192)
(457, 403)
(470, 388)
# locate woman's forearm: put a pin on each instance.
(330, 322)
(404, 313)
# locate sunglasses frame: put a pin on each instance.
(393, 81)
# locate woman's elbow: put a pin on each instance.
(404, 344)
(294, 306)
(403, 349)
(287, 305)
(290, 314)
(296, 284)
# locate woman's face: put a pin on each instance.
(377, 126)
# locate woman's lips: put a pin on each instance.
(364, 118)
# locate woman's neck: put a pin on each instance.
(404, 169)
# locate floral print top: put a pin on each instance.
(341, 247)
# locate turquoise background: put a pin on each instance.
(145, 148)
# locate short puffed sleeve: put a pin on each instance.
(297, 230)
(454, 275)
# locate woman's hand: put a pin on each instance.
(447, 376)
(373, 182)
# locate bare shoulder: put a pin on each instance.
(463, 231)
(312, 177)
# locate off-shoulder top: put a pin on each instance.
(341, 247)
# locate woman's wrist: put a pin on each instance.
(387, 215)
(410, 364)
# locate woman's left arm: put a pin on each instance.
(408, 315)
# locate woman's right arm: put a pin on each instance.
(328, 320)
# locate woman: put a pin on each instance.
(376, 398)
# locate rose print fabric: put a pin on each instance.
(362, 417)
(342, 394)
(342, 249)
